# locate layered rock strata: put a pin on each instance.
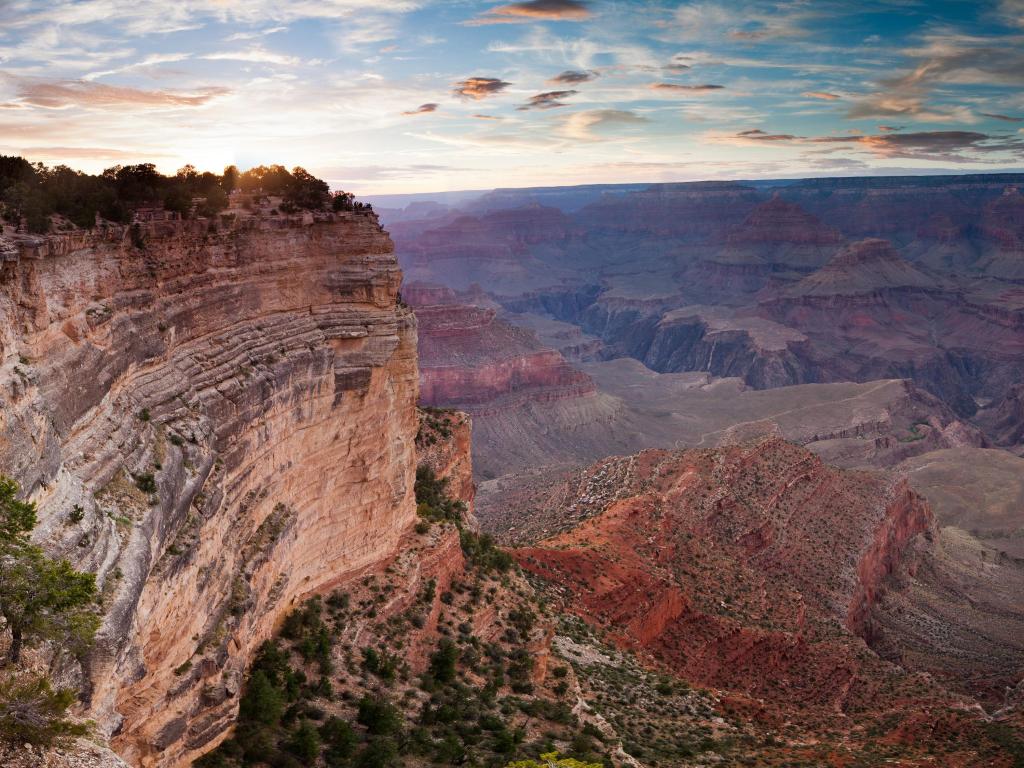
(216, 418)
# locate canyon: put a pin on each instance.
(916, 277)
(753, 449)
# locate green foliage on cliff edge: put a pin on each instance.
(40, 599)
(33, 192)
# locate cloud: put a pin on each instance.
(821, 95)
(534, 10)
(487, 117)
(756, 134)
(889, 128)
(948, 146)
(709, 21)
(423, 109)
(477, 88)
(254, 56)
(676, 88)
(584, 125)
(548, 100)
(253, 35)
(573, 77)
(909, 106)
(930, 145)
(1004, 118)
(76, 153)
(62, 94)
(945, 60)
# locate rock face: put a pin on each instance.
(232, 409)
(748, 567)
(443, 443)
(867, 266)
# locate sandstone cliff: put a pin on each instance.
(217, 419)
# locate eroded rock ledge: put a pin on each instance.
(216, 418)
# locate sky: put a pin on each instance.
(400, 96)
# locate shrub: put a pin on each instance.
(145, 482)
(263, 702)
(31, 711)
(305, 742)
(378, 753)
(443, 661)
(379, 716)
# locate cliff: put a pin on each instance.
(743, 567)
(217, 418)
(470, 359)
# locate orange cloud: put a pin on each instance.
(534, 10)
(478, 88)
(81, 93)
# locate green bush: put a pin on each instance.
(379, 715)
(263, 702)
(33, 712)
(305, 742)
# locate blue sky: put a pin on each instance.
(410, 95)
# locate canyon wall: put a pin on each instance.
(217, 418)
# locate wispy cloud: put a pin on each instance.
(423, 109)
(254, 56)
(588, 125)
(548, 100)
(824, 95)
(677, 88)
(84, 93)
(1004, 118)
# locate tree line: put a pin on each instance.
(30, 193)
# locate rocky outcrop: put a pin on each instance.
(864, 267)
(471, 360)
(738, 567)
(1003, 420)
(907, 516)
(443, 443)
(228, 409)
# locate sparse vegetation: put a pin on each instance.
(41, 599)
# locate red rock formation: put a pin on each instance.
(471, 360)
(778, 221)
(867, 266)
(742, 568)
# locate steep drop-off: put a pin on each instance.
(217, 419)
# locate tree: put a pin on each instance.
(40, 598)
(229, 181)
(380, 752)
(263, 701)
(443, 660)
(305, 742)
(379, 716)
(306, 190)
